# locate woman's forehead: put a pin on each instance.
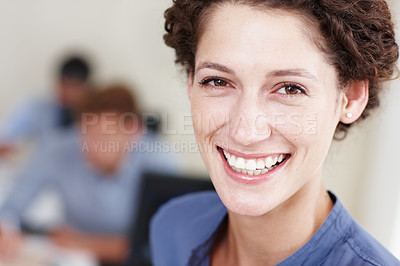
(237, 11)
(240, 35)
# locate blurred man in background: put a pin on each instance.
(96, 169)
(37, 118)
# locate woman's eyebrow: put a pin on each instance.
(292, 72)
(214, 66)
(275, 73)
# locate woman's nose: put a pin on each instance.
(249, 123)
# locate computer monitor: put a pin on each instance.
(156, 189)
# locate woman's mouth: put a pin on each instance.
(252, 169)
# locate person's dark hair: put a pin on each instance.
(75, 68)
(114, 99)
(357, 36)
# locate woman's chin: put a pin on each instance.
(244, 209)
(246, 205)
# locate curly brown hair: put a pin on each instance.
(356, 36)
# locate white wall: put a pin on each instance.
(124, 38)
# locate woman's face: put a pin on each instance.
(265, 106)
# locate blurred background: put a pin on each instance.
(122, 40)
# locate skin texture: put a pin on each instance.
(246, 63)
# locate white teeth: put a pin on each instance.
(232, 160)
(227, 155)
(260, 164)
(269, 162)
(240, 163)
(263, 171)
(251, 165)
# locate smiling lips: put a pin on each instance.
(254, 167)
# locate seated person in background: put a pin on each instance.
(96, 169)
(39, 117)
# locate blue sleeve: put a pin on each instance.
(27, 185)
(163, 235)
(183, 224)
(24, 123)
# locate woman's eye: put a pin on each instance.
(215, 82)
(290, 89)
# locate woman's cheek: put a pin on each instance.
(209, 116)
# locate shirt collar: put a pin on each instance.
(335, 227)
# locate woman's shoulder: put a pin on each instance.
(352, 244)
(182, 224)
(366, 248)
(188, 205)
(341, 241)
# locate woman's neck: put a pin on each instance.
(273, 237)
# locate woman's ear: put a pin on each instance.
(355, 99)
(190, 86)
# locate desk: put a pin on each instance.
(38, 251)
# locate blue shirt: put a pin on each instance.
(92, 201)
(184, 229)
(33, 120)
